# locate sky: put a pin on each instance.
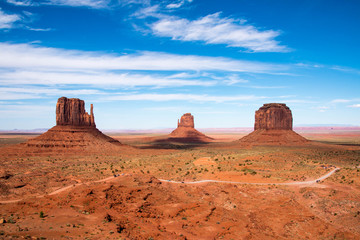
(144, 63)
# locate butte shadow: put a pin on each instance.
(273, 126)
(75, 132)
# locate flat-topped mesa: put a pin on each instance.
(273, 126)
(71, 111)
(186, 120)
(273, 116)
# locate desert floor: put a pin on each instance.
(73, 194)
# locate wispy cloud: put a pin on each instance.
(48, 91)
(97, 4)
(20, 2)
(213, 29)
(345, 69)
(7, 21)
(234, 79)
(341, 100)
(28, 56)
(39, 29)
(99, 78)
(266, 87)
(347, 101)
(177, 4)
(31, 111)
(321, 108)
(4, 95)
(79, 3)
(355, 106)
(13, 93)
(19, 21)
(182, 97)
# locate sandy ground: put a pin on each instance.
(72, 194)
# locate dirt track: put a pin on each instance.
(187, 182)
(232, 182)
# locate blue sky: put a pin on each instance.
(144, 63)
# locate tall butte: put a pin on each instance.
(186, 132)
(273, 126)
(75, 128)
(71, 112)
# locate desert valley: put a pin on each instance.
(75, 182)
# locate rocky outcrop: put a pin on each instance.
(186, 120)
(273, 116)
(71, 111)
(273, 126)
(185, 132)
(75, 129)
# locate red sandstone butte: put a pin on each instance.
(273, 116)
(186, 120)
(273, 126)
(71, 111)
(75, 128)
(185, 132)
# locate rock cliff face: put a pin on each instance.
(273, 116)
(186, 120)
(273, 126)
(71, 111)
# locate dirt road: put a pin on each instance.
(232, 182)
(184, 182)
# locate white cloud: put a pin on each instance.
(345, 69)
(321, 108)
(341, 101)
(97, 4)
(27, 56)
(13, 93)
(10, 21)
(266, 87)
(39, 29)
(355, 106)
(182, 97)
(149, 11)
(80, 3)
(48, 91)
(20, 2)
(7, 20)
(96, 78)
(212, 29)
(177, 4)
(17, 96)
(234, 79)
(20, 110)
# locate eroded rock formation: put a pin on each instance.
(273, 116)
(75, 128)
(273, 126)
(71, 111)
(185, 132)
(186, 120)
